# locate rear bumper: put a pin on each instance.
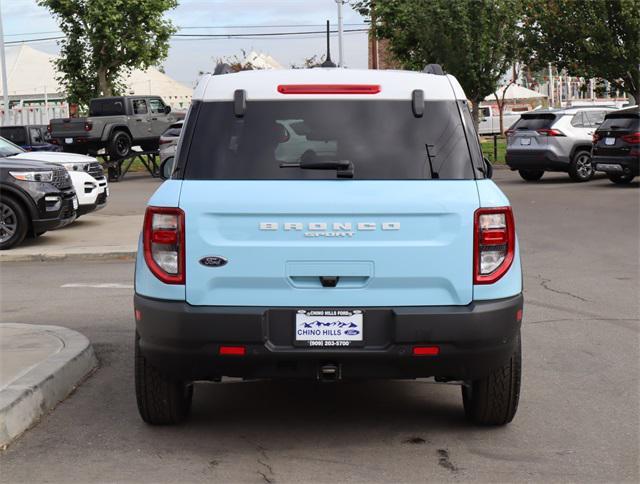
(535, 160)
(184, 340)
(617, 165)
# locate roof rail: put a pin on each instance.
(222, 68)
(433, 69)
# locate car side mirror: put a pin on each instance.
(167, 109)
(166, 168)
(488, 168)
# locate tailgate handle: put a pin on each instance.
(329, 281)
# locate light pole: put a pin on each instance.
(3, 62)
(340, 32)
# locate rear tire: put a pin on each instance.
(161, 400)
(14, 223)
(621, 179)
(531, 175)
(493, 400)
(120, 145)
(580, 168)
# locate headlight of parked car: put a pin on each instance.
(36, 176)
(76, 166)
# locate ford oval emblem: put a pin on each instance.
(213, 261)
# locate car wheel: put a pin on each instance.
(581, 169)
(621, 179)
(13, 223)
(531, 175)
(493, 400)
(161, 399)
(120, 145)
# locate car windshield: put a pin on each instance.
(382, 139)
(7, 148)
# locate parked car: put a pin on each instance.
(30, 138)
(393, 257)
(115, 124)
(169, 143)
(34, 197)
(295, 143)
(87, 176)
(554, 140)
(616, 145)
(490, 120)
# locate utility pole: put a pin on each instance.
(373, 38)
(3, 61)
(340, 32)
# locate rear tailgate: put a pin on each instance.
(524, 136)
(69, 127)
(614, 134)
(390, 243)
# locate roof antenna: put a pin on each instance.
(328, 62)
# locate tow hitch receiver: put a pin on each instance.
(329, 372)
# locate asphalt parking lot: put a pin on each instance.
(579, 413)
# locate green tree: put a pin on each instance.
(105, 40)
(475, 40)
(590, 38)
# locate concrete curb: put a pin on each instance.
(125, 254)
(31, 395)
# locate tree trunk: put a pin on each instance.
(104, 85)
(476, 113)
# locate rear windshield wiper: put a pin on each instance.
(344, 168)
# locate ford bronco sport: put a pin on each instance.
(387, 254)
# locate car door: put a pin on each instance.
(141, 125)
(159, 119)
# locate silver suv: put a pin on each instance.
(554, 140)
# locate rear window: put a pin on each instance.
(383, 140)
(533, 122)
(16, 134)
(107, 107)
(614, 123)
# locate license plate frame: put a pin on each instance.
(328, 328)
(609, 141)
(68, 141)
(525, 141)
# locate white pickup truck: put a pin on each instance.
(490, 120)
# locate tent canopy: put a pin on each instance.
(31, 73)
(515, 92)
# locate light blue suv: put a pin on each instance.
(389, 253)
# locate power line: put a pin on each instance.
(247, 35)
(197, 27)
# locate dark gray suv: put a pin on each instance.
(554, 140)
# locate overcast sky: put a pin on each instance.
(24, 19)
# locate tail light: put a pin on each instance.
(163, 240)
(49, 128)
(596, 137)
(163, 141)
(509, 132)
(549, 132)
(88, 125)
(632, 138)
(493, 245)
(329, 88)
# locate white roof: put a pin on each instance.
(31, 72)
(264, 84)
(515, 92)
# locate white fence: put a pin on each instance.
(27, 115)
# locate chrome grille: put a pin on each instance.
(61, 179)
(95, 170)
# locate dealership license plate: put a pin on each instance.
(329, 328)
(75, 203)
(609, 141)
(525, 141)
(68, 140)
